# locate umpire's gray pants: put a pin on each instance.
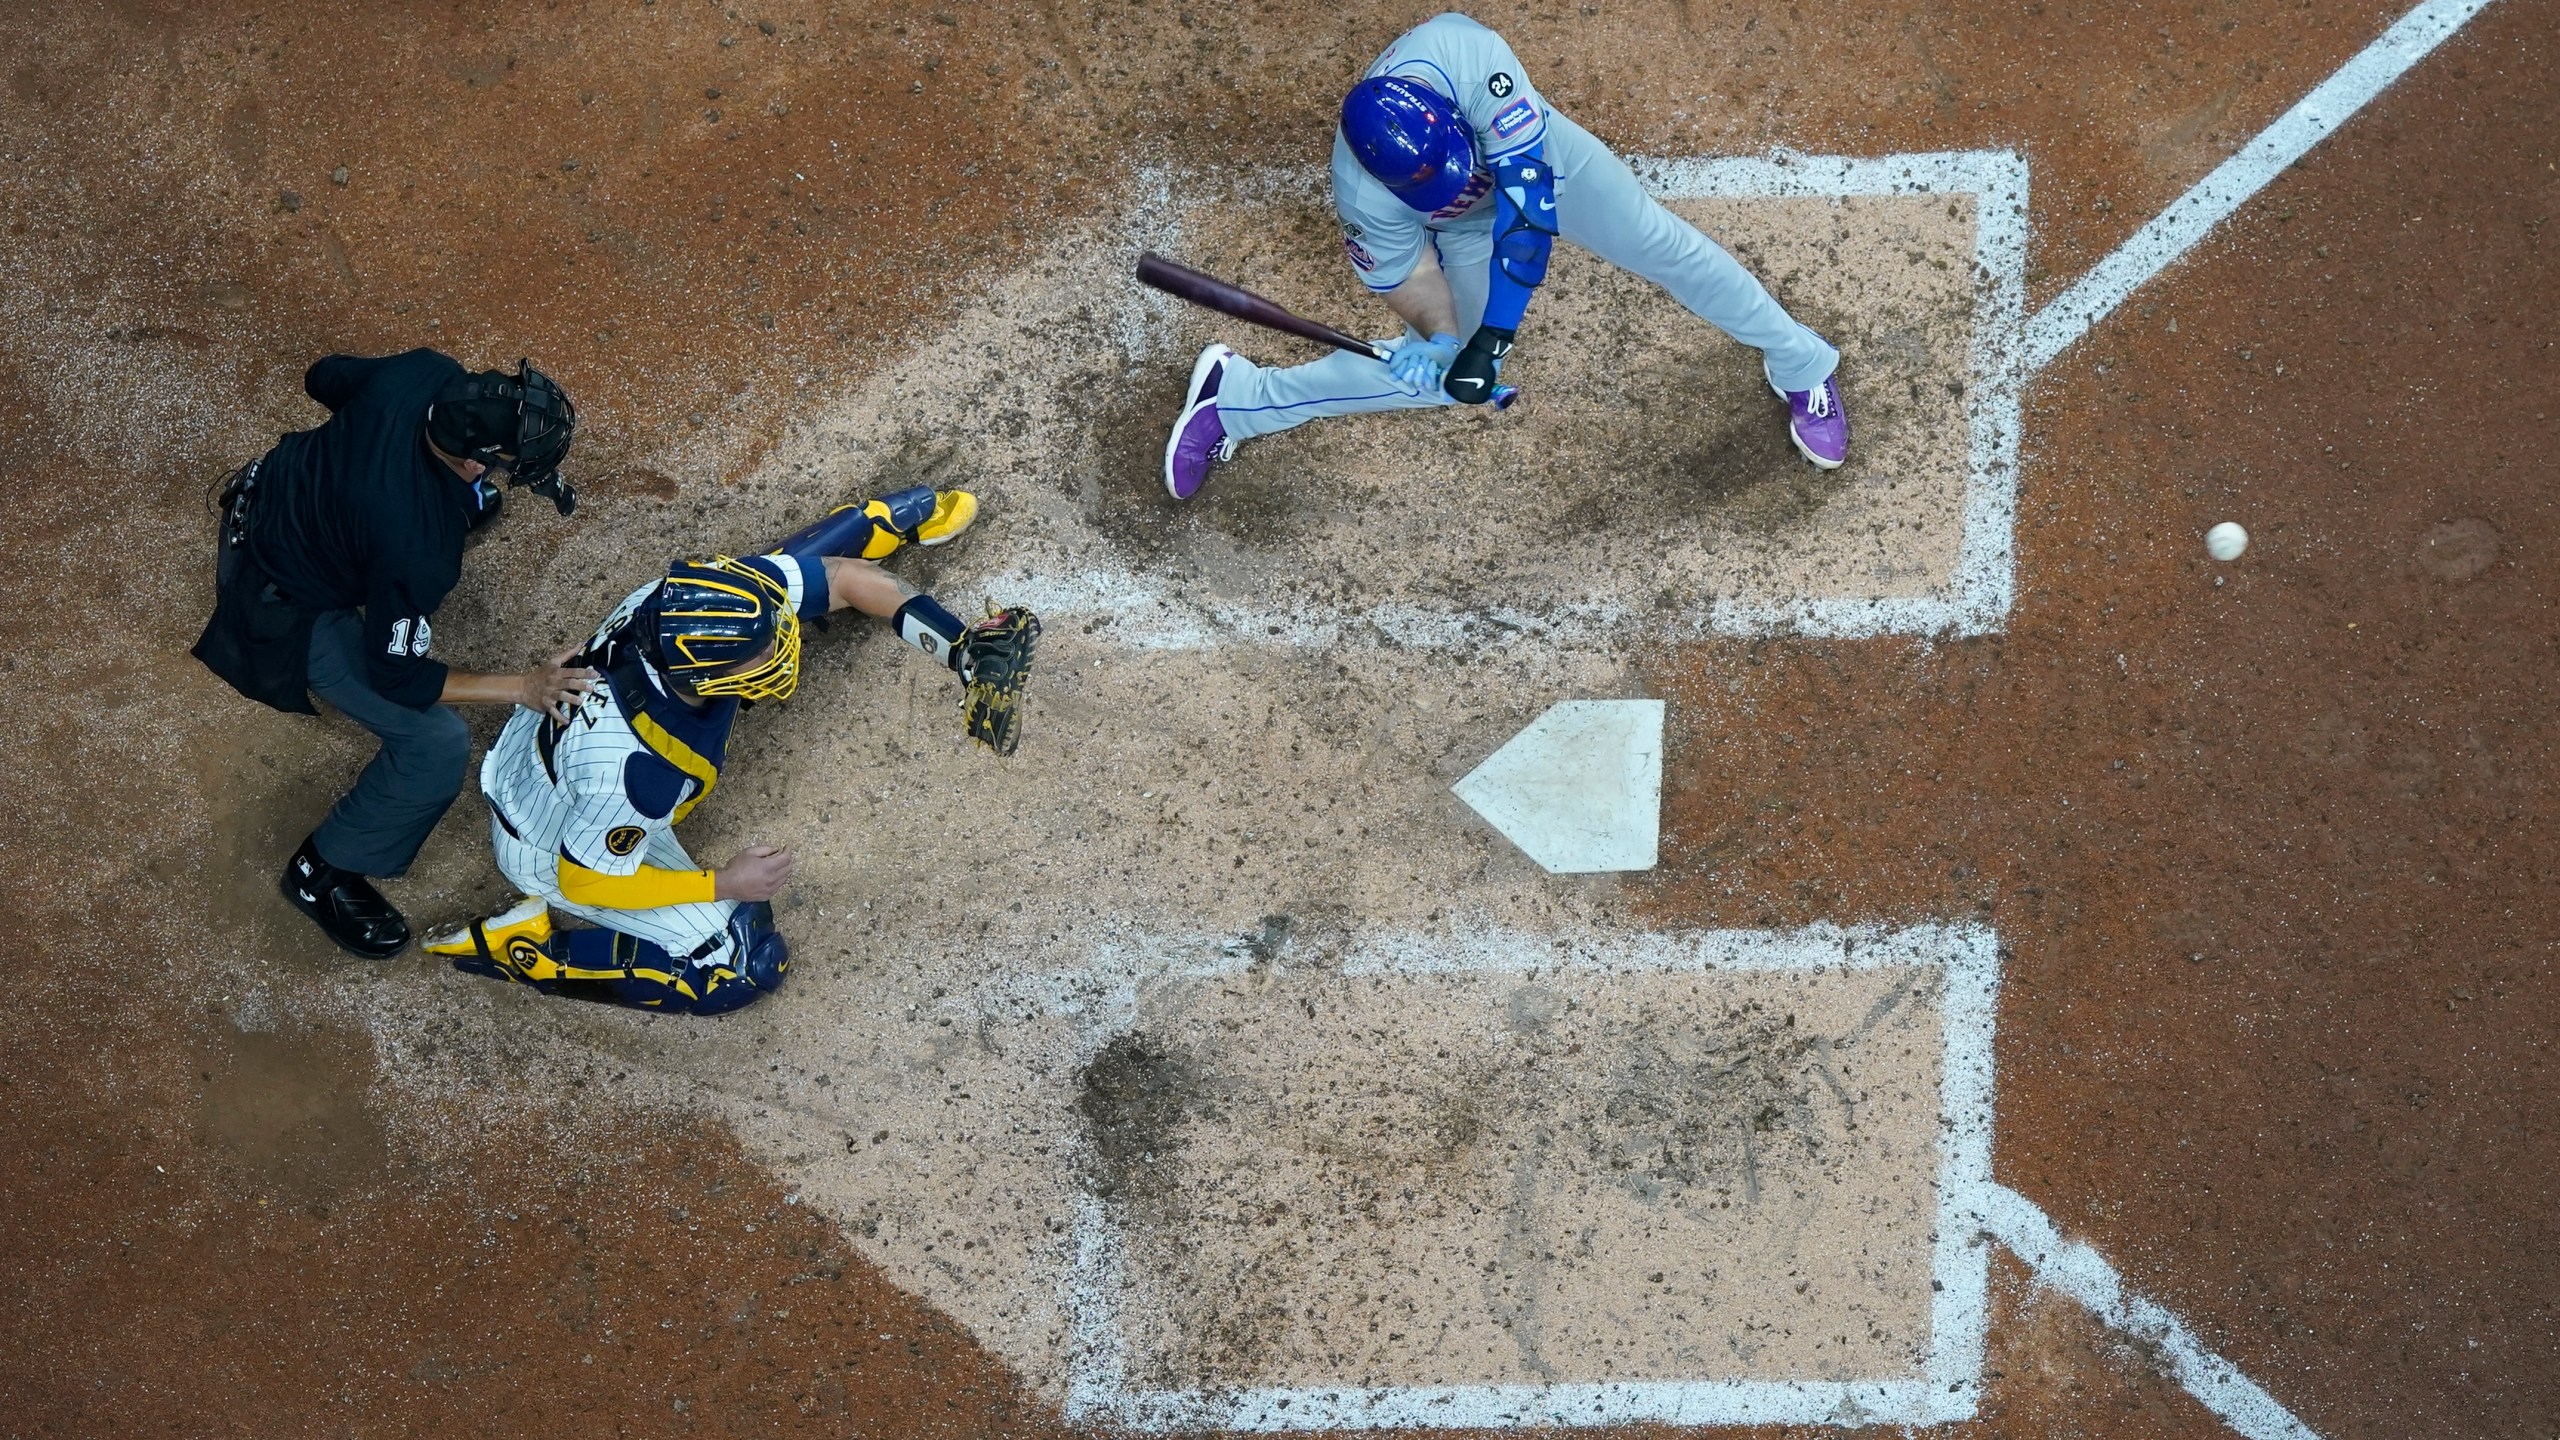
(377, 827)
(1601, 207)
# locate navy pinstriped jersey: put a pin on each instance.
(632, 760)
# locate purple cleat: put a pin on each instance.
(1199, 438)
(1816, 422)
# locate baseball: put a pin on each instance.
(2225, 541)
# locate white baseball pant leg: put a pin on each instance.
(677, 929)
(1601, 207)
(1257, 400)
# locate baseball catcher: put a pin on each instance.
(583, 809)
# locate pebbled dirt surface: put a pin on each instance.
(2271, 857)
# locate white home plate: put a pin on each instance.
(1579, 790)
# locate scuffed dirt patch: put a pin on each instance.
(1385, 1180)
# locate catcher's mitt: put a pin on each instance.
(995, 660)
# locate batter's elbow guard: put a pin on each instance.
(1523, 256)
(1524, 217)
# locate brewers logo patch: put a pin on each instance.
(526, 960)
(623, 839)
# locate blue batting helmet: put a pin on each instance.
(1412, 138)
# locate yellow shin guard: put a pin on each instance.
(529, 920)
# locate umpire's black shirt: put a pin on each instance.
(360, 513)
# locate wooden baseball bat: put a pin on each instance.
(1213, 293)
(1216, 294)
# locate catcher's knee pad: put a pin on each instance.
(761, 954)
(748, 961)
(875, 529)
(728, 971)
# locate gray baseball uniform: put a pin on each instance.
(1599, 206)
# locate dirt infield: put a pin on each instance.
(2268, 846)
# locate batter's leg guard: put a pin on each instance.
(875, 529)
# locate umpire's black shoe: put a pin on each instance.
(345, 905)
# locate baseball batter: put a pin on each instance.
(583, 809)
(1453, 177)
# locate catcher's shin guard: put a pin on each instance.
(874, 530)
(528, 923)
(726, 972)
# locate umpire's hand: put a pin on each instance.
(555, 688)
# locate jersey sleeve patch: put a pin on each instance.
(1361, 259)
(1519, 115)
(623, 839)
(653, 786)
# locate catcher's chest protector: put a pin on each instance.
(626, 764)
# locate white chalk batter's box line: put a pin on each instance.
(1977, 598)
(1105, 996)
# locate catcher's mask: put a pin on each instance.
(521, 424)
(721, 627)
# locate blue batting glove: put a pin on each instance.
(1418, 364)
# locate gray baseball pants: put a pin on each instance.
(377, 826)
(1601, 207)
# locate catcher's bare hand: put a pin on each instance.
(756, 873)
